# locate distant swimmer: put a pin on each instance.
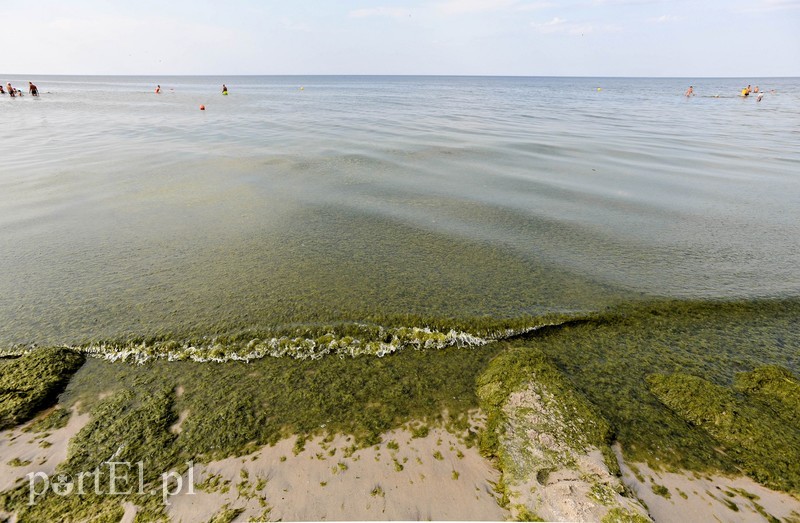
(759, 97)
(32, 89)
(158, 89)
(224, 89)
(10, 89)
(2, 91)
(755, 90)
(689, 91)
(746, 91)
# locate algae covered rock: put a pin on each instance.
(551, 444)
(514, 370)
(755, 424)
(33, 381)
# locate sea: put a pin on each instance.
(311, 202)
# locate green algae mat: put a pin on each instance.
(33, 382)
(701, 386)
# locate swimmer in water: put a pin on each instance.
(689, 92)
(158, 89)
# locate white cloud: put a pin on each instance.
(390, 12)
(550, 27)
(562, 26)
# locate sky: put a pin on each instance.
(674, 38)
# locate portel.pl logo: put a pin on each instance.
(112, 478)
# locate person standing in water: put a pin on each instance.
(224, 89)
(32, 89)
(158, 89)
(689, 91)
(10, 89)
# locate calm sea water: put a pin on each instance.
(308, 200)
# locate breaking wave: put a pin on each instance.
(368, 340)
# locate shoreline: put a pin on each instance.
(435, 477)
(517, 429)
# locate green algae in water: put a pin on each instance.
(757, 437)
(608, 359)
(232, 405)
(33, 381)
(307, 275)
(777, 387)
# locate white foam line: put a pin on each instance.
(298, 348)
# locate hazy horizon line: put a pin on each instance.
(391, 75)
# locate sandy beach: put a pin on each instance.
(677, 497)
(435, 477)
(404, 478)
(23, 452)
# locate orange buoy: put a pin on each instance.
(202, 107)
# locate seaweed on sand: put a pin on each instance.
(234, 408)
(33, 381)
(757, 434)
(144, 419)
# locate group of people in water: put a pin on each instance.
(746, 91)
(34, 91)
(14, 92)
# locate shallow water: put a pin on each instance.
(127, 213)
